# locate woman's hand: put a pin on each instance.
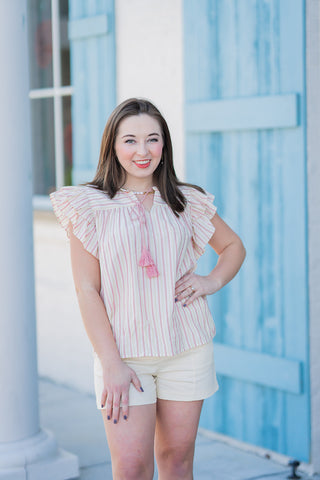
(117, 378)
(191, 286)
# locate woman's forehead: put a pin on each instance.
(142, 123)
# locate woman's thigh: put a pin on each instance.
(131, 441)
(176, 430)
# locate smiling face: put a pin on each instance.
(138, 147)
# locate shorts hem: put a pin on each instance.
(179, 398)
(131, 405)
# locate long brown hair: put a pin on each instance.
(110, 175)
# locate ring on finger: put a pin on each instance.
(192, 288)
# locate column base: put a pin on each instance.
(37, 458)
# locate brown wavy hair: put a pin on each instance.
(110, 175)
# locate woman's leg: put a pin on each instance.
(131, 443)
(176, 431)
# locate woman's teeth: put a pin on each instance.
(143, 163)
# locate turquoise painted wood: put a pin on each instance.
(236, 362)
(272, 111)
(88, 27)
(93, 76)
(245, 142)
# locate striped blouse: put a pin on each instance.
(144, 317)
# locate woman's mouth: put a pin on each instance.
(142, 163)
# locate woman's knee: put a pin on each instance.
(132, 468)
(176, 461)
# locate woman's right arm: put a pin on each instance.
(117, 376)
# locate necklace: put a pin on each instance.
(136, 193)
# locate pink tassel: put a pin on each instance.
(146, 261)
(146, 258)
(152, 271)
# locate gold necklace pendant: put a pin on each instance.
(136, 193)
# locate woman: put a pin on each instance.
(135, 234)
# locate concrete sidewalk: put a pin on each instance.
(77, 425)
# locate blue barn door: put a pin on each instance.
(245, 142)
(93, 77)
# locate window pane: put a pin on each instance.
(64, 43)
(40, 43)
(43, 146)
(67, 140)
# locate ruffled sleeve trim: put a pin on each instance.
(202, 210)
(71, 204)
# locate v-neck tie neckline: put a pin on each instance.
(146, 260)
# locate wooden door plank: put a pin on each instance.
(251, 113)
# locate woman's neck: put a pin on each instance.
(137, 187)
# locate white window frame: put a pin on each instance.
(42, 202)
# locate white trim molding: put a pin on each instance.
(51, 92)
(313, 167)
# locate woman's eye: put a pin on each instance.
(153, 139)
(130, 140)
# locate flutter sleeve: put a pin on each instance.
(71, 204)
(201, 210)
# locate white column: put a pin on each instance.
(26, 451)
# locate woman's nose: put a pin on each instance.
(141, 149)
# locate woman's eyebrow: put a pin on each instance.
(131, 135)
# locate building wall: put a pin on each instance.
(64, 352)
(253, 52)
(150, 60)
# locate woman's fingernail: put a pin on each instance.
(184, 305)
(176, 299)
(108, 417)
(141, 389)
(101, 405)
(114, 421)
(125, 417)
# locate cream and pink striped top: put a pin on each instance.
(144, 317)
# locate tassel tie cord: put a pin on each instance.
(146, 260)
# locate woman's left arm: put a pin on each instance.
(231, 251)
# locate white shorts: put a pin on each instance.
(188, 376)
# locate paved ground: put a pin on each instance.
(77, 425)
